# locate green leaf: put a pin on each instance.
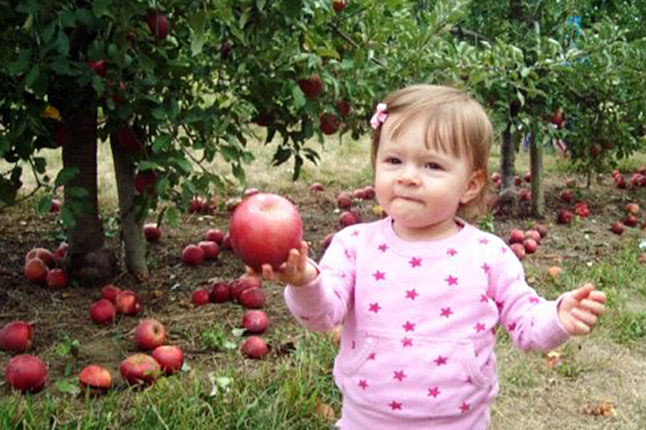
(62, 43)
(29, 7)
(172, 215)
(281, 155)
(44, 204)
(66, 175)
(159, 113)
(101, 7)
(67, 217)
(21, 64)
(98, 84)
(299, 97)
(7, 191)
(197, 43)
(39, 164)
(260, 4)
(69, 386)
(524, 72)
(183, 164)
(32, 76)
(76, 192)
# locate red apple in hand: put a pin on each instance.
(264, 228)
(150, 334)
(140, 369)
(95, 378)
(26, 373)
(16, 336)
(169, 357)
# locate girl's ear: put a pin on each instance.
(474, 186)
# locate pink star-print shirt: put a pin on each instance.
(419, 324)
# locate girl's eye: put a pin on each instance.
(392, 160)
(433, 166)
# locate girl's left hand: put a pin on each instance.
(580, 309)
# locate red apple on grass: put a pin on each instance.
(519, 250)
(566, 196)
(348, 218)
(214, 235)
(140, 369)
(26, 373)
(96, 379)
(152, 233)
(630, 220)
(200, 297)
(541, 229)
(344, 200)
(56, 279)
(516, 236)
(16, 336)
(564, 217)
(149, 334)
(169, 357)
(211, 249)
(252, 298)
(264, 228)
(533, 234)
(43, 254)
(530, 246)
(220, 292)
(316, 188)
(110, 292)
(632, 208)
(36, 271)
(254, 347)
(103, 312)
(617, 227)
(255, 322)
(193, 255)
(127, 303)
(243, 283)
(196, 204)
(369, 192)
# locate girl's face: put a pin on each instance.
(421, 188)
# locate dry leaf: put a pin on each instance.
(603, 409)
(553, 358)
(324, 411)
(336, 335)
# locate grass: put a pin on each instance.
(289, 392)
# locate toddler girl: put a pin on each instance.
(421, 292)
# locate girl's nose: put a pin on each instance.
(409, 176)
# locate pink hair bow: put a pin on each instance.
(380, 116)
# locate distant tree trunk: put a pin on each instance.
(131, 225)
(87, 260)
(536, 166)
(507, 157)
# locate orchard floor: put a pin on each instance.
(606, 370)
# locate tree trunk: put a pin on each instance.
(131, 225)
(536, 168)
(507, 158)
(87, 260)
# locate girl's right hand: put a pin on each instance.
(296, 271)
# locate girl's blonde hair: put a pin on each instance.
(455, 124)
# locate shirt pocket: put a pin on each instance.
(415, 377)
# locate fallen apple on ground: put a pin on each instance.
(16, 336)
(617, 227)
(193, 255)
(255, 321)
(200, 297)
(214, 235)
(210, 248)
(127, 303)
(220, 292)
(96, 379)
(36, 271)
(26, 373)
(169, 357)
(519, 250)
(344, 200)
(110, 292)
(254, 347)
(103, 312)
(140, 369)
(243, 283)
(56, 279)
(252, 298)
(152, 233)
(149, 334)
(516, 236)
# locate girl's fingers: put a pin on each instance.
(268, 272)
(592, 306)
(586, 317)
(597, 296)
(581, 327)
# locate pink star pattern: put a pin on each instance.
(484, 241)
(415, 262)
(411, 294)
(485, 267)
(395, 405)
(511, 326)
(484, 298)
(534, 300)
(464, 408)
(379, 276)
(451, 252)
(409, 326)
(399, 375)
(504, 249)
(500, 305)
(372, 356)
(469, 380)
(383, 247)
(451, 280)
(446, 312)
(479, 327)
(440, 360)
(407, 341)
(434, 392)
(374, 307)
(355, 233)
(363, 384)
